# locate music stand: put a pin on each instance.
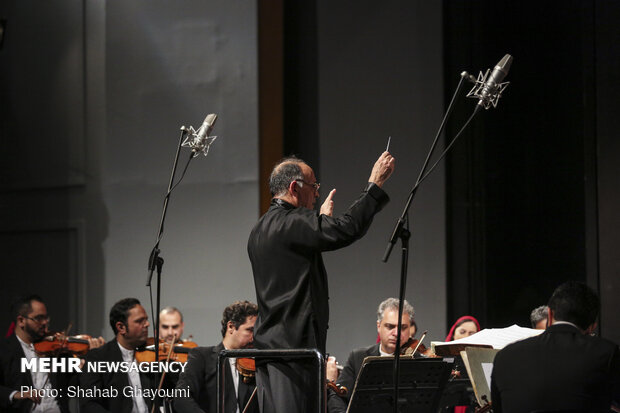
(421, 385)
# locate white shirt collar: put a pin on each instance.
(383, 353)
(127, 354)
(23, 343)
(555, 323)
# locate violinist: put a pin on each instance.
(130, 323)
(31, 325)
(463, 327)
(171, 330)
(200, 374)
(387, 324)
(170, 324)
(538, 317)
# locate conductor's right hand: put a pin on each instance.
(382, 170)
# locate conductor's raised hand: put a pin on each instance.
(382, 169)
(328, 206)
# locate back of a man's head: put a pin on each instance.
(285, 171)
(576, 303)
(538, 314)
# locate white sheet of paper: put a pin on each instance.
(496, 337)
(488, 369)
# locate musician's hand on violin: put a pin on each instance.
(328, 206)
(94, 342)
(332, 371)
(30, 394)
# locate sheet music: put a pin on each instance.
(487, 368)
(496, 337)
(479, 364)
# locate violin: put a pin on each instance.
(247, 369)
(178, 352)
(61, 345)
(338, 388)
(414, 345)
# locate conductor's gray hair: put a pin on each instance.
(286, 171)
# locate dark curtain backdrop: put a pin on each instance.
(522, 191)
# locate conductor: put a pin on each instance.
(285, 249)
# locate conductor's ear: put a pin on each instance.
(292, 187)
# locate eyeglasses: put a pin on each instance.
(40, 319)
(315, 185)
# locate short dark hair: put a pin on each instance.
(120, 311)
(238, 312)
(22, 306)
(286, 171)
(576, 303)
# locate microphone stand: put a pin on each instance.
(401, 230)
(155, 260)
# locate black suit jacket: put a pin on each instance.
(560, 369)
(291, 282)
(348, 376)
(200, 377)
(89, 380)
(11, 378)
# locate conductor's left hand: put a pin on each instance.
(328, 206)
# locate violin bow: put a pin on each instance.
(249, 400)
(419, 343)
(163, 375)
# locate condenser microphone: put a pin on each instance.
(489, 88)
(199, 140)
(206, 127)
(491, 85)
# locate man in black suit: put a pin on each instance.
(31, 325)
(130, 324)
(200, 374)
(564, 368)
(285, 249)
(387, 324)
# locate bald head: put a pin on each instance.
(286, 171)
(293, 181)
(170, 324)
